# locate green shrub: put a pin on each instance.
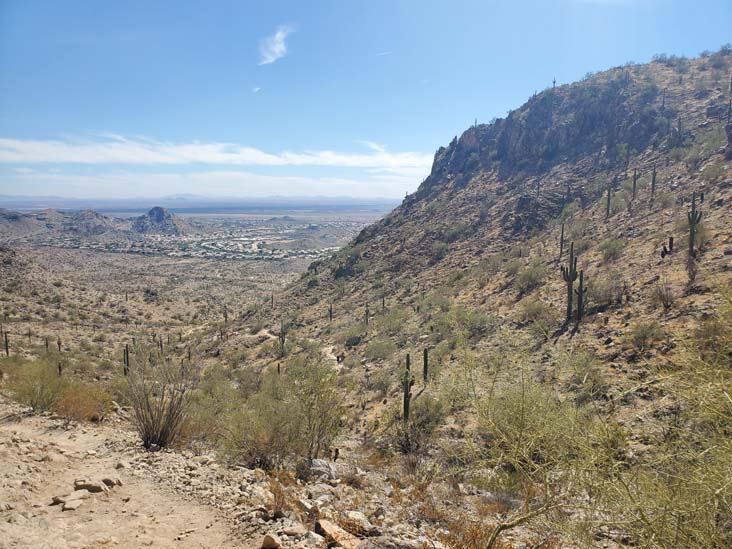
(540, 316)
(37, 384)
(530, 277)
(642, 334)
(379, 349)
(612, 248)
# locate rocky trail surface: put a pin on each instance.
(42, 461)
(92, 485)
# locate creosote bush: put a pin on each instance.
(37, 384)
(294, 415)
(612, 248)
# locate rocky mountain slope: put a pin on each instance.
(89, 224)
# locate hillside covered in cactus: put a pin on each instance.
(566, 270)
(532, 350)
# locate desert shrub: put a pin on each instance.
(528, 426)
(530, 277)
(379, 349)
(476, 323)
(37, 384)
(664, 295)
(612, 248)
(83, 402)
(353, 337)
(602, 292)
(586, 377)
(582, 245)
(642, 334)
(297, 414)
(392, 321)
(512, 267)
(159, 394)
(211, 403)
(380, 381)
(439, 250)
(540, 316)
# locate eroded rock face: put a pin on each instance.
(158, 221)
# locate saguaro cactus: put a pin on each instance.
(635, 181)
(569, 274)
(694, 218)
(425, 364)
(607, 204)
(367, 315)
(7, 344)
(126, 360)
(58, 342)
(561, 242)
(653, 185)
(330, 312)
(581, 292)
(407, 382)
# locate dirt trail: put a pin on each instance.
(39, 459)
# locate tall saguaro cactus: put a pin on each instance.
(7, 344)
(561, 242)
(407, 382)
(581, 292)
(569, 274)
(425, 364)
(694, 217)
(635, 181)
(653, 185)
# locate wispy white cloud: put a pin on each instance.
(256, 89)
(274, 47)
(383, 53)
(142, 151)
(213, 183)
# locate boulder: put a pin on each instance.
(323, 468)
(72, 505)
(271, 541)
(73, 496)
(357, 523)
(335, 534)
(93, 486)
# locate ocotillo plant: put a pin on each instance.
(694, 218)
(653, 185)
(407, 382)
(569, 274)
(581, 292)
(425, 364)
(561, 242)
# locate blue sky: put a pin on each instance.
(339, 98)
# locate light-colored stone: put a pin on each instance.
(72, 505)
(94, 486)
(271, 541)
(334, 533)
(294, 531)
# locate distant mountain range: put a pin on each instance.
(89, 224)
